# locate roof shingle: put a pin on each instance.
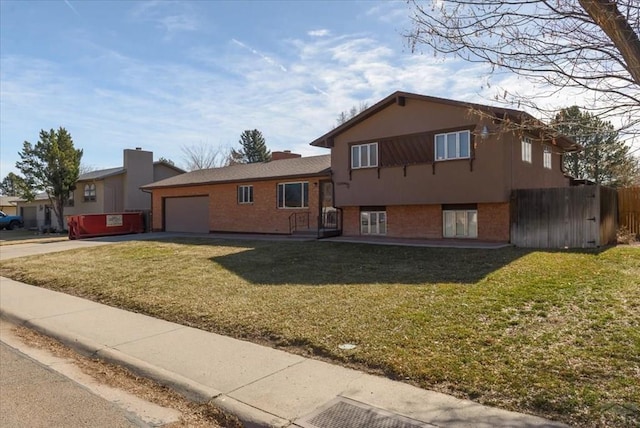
(285, 168)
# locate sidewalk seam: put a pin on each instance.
(267, 376)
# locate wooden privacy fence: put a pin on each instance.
(629, 208)
(567, 217)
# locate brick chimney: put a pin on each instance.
(284, 155)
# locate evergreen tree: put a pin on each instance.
(253, 149)
(605, 159)
(51, 165)
(12, 185)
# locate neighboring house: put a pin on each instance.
(8, 204)
(281, 196)
(104, 191)
(422, 167)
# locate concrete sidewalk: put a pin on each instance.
(261, 385)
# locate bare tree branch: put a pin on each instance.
(202, 156)
(590, 47)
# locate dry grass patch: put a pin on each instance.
(24, 236)
(551, 333)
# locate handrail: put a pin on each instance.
(293, 221)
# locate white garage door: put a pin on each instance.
(190, 214)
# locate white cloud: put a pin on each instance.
(215, 92)
(319, 33)
(170, 16)
(261, 55)
(390, 12)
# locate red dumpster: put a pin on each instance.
(93, 225)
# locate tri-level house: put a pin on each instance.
(423, 167)
(410, 166)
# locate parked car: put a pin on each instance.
(10, 222)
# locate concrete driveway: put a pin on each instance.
(33, 248)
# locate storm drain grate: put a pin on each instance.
(345, 413)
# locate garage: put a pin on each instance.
(187, 214)
(29, 217)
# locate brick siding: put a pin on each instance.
(494, 222)
(227, 215)
(425, 221)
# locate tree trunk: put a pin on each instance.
(605, 14)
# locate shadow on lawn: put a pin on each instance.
(281, 262)
(320, 263)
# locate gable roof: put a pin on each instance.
(169, 165)
(101, 174)
(284, 168)
(399, 97)
(7, 201)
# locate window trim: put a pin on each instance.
(445, 136)
(377, 214)
(90, 192)
(359, 147)
(245, 194)
(526, 147)
(547, 157)
(302, 195)
(466, 234)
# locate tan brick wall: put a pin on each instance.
(226, 215)
(425, 221)
(415, 221)
(494, 222)
(351, 221)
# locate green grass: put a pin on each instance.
(555, 334)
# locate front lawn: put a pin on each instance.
(555, 334)
(25, 236)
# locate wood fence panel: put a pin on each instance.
(629, 208)
(567, 217)
(608, 215)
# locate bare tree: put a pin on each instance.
(590, 46)
(203, 156)
(345, 116)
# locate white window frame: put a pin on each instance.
(445, 153)
(90, 192)
(370, 158)
(245, 194)
(281, 195)
(464, 223)
(547, 157)
(526, 150)
(373, 222)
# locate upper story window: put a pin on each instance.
(526, 149)
(90, 192)
(245, 194)
(293, 195)
(546, 157)
(453, 145)
(364, 155)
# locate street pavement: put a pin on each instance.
(35, 395)
(264, 387)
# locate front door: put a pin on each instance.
(328, 213)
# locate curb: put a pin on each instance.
(251, 417)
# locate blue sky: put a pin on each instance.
(166, 74)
